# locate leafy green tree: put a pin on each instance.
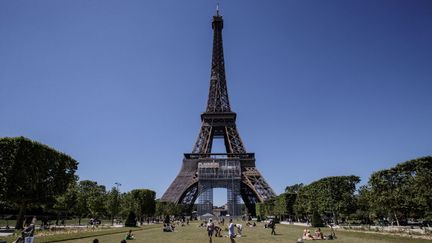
(304, 204)
(96, 200)
(91, 199)
(81, 209)
(141, 201)
(260, 210)
(330, 195)
(284, 205)
(280, 206)
(364, 210)
(127, 203)
(168, 209)
(403, 191)
(113, 203)
(67, 201)
(145, 204)
(266, 208)
(294, 188)
(32, 174)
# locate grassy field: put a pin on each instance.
(193, 233)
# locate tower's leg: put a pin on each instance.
(233, 196)
(205, 200)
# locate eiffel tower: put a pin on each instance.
(203, 170)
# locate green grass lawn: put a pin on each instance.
(193, 233)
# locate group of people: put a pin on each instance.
(318, 235)
(308, 236)
(212, 229)
(216, 230)
(94, 223)
(167, 227)
(170, 224)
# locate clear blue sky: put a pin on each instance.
(321, 88)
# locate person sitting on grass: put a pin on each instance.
(318, 234)
(307, 235)
(129, 236)
(239, 228)
(218, 230)
(28, 231)
(167, 228)
(332, 235)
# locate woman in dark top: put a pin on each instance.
(28, 231)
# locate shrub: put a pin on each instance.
(131, 220)
(316, 220)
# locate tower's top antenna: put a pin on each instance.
(217, 9)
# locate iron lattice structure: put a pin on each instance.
(234, 170)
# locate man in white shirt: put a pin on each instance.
(231, 231)
(210, 229)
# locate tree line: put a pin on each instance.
(34, 175)
(397, 194)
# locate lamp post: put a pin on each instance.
(117, 184)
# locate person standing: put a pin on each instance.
(231, 231)
(272, 226)
(210, 229)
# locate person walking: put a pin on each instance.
(231, 231)
(210, 229)
(272, 226)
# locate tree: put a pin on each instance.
(364, 210)
(144, 202)
(403, 191)
(294, 188)
(127, 203)
(168, 209)
(266, 208)
(96, 201)
(284, 205)
(330, 195)
(113, 203)
(260, 210)
(91, 199)
(67, 201)
(94, 197)
(141, 202)
(32, 173)
(280, 206)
